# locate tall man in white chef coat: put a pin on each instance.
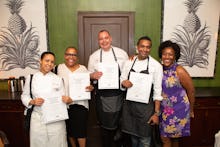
(105, 62)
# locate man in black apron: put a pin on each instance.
(141, 110)
(109, 99)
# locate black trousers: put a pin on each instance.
(112, 138)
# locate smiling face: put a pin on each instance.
(71, 57)
(143, 48)
(168, 56)
(104, 40)
(47, 63)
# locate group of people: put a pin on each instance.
(169, 94)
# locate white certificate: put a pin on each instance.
(109, 78)
(53, 108)
(141, 89)
(77, 86)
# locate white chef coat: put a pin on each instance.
(155, 69)
(44, 135)
(107, 57)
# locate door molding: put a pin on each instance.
(83, 15)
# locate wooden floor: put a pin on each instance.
(94, 137)
(94, 130)
(93, 133)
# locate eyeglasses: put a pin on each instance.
(70, 55)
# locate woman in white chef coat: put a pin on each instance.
(44, 82)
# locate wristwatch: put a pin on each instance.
(157, 113)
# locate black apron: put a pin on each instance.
(135, 115)
(109, 104)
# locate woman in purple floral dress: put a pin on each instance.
(178, 96)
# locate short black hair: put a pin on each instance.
(70, 47)
(46, 53)
(172, 45)
(104, 30)
(144, 38)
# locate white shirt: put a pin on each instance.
(155, 69)
(44, 135)
(41, 85)
(107, 57)
(63, 71)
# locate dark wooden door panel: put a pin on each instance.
(119, 24)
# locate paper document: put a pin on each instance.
(77, 86)
(53, 108)
(141, 89)
(110, 76)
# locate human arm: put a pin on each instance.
(132, 57)
(36, 101)
(67, 99)
(125, 83)
(122, 57)
(93, 61)
(95, 75)
(154, 119)
(187, 83)
(64, 86)
(26, 98)
(157, 72)
(89, 88)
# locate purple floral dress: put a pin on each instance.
(175, 108)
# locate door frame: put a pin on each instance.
(105, 14)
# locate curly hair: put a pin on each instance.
(172, 45)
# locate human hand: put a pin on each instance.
(192, 114)
(131, 57)
(37, 101)
(67, 99)
(96, 75)
(154, 119)
(89, 88)
(126, 84)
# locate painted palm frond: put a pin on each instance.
(18, 44)
(7, 37)
(19, 52)
(194, 47)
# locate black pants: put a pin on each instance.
(108, 139)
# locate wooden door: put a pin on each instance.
(119, 24)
